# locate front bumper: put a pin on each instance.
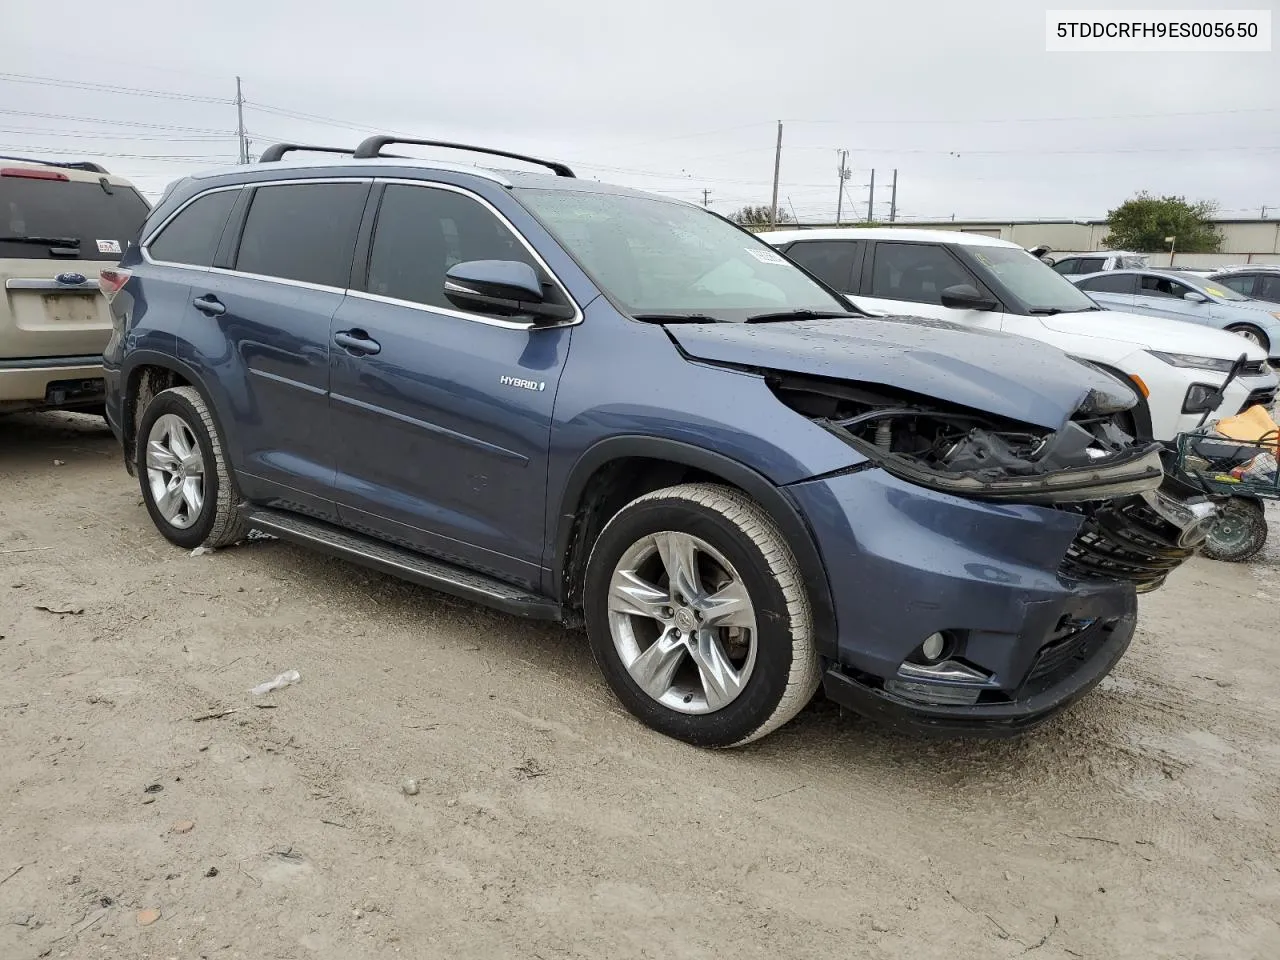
(905, 562)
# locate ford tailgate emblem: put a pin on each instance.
(71, 279)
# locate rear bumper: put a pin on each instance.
(26, 383)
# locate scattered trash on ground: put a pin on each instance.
(260, 535)
(152, 788)
(59, 463)
(201, 551)
(530, 769)
(286, 679)
(61, 611)
(213, 716)
(147, 917)
(211, 872)
(183, 826)
(410, 787)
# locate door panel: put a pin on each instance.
(1162, 297)
(269, 351)
(444, 432)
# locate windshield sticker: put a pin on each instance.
(108, 246)
(1214, 292)
(766, 256)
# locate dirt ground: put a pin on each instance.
(137, 774)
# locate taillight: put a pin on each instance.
(32, 173)
(110, 282)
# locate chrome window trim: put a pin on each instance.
(485, 319)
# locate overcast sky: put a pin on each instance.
(675, 96)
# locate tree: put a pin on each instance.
(1142, 222)
(750, 216)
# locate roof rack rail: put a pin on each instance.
(372, 147)
(278, 150)
(67, 164)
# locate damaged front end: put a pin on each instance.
(1137, 523)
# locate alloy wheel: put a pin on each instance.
(175, 471)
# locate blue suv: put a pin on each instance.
(578, 402)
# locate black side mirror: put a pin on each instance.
(965, 296)
(506, 288)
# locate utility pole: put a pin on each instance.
(244, 144)
(1264, 211)
(844, 175)
(706, 197)
(777, 170)
(893, 198)
(871, 199)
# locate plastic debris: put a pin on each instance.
(147, 917)
(201, 551)
(410, 787)
(183, 826)
(286, 679)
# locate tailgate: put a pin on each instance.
(52, 308)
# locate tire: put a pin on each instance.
(1240, 532)
(1251, 333)
(180, 412)
(766, 643)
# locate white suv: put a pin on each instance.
(992, 284)
(60, 224)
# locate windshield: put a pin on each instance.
(76, 210)
(1036, 284)
(661, 257)
(1218, 290)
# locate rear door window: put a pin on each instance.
(192, 236)
(1244, 285)
(831, 261)
(917, 272)
(1111, 283)
(99, 221)
(303, 231)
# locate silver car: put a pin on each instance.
(1186, 296)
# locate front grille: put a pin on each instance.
(1265, 396)
(1125, 541)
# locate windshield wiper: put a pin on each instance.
(1054, 311)
(797, 315)
(675, 318)
(44, 241)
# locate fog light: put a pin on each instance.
(933, 647)
(934, 693)
(1200, 397)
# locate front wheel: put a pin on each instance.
(186, 482)
(698, 616)
(1239, 532)
(1251, 333)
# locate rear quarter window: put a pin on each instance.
(192, 236)
(304, 232)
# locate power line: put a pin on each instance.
(998, 120)
(119, 123)
(194, 158)
(107, 88)
(102, 135)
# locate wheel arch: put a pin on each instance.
(617, 470)
(146, 374)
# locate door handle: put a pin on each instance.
(209, 304)
(357, 342)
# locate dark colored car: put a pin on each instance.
(581, 403)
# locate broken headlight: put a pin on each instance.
(963, 452)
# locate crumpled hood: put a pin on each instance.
(1008, 376)
(1154, 333)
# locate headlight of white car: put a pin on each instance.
(1192, 361)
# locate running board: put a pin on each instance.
(403, 563)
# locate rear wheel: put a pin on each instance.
(186, 483)
(1239, 533)
(1252, 334)
(698, 616)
